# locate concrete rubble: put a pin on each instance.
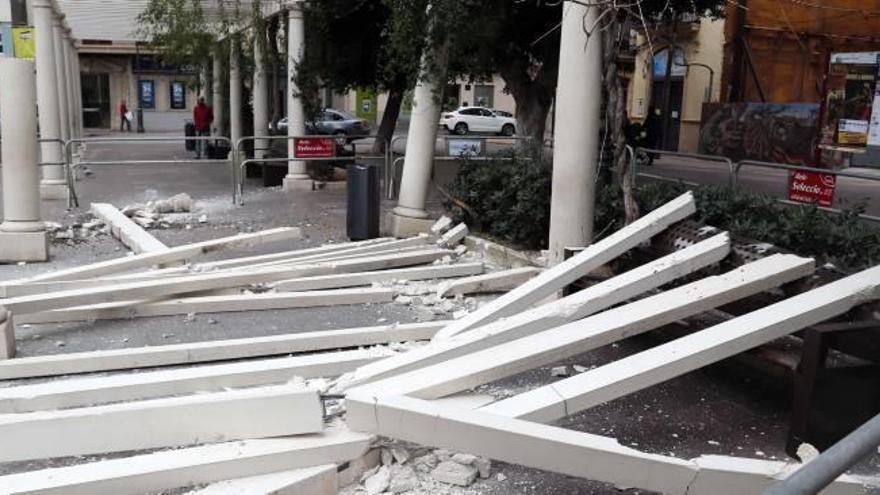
(416, 408)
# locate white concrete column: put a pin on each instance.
(77, 89)
(72, 86)
(54, 183)
(409, 216)
(22, 233)
(234, 90)
(260, 95)
(297, 173)
(219, 101)
(61, 74)
(576, 138)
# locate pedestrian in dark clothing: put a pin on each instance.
(203, 117)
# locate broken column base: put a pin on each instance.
(403, 227)
(24, 246)
(53, 191)
(7, 335)
(297, 183)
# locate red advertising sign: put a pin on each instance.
(314, 147)
(811, 187)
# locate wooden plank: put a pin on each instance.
(579, 305)
(501, 281)
(598, 330)
(178, 253)
(201, 352)
(177, 421)
(166, 287)
(565, 451)
(367, 278)
(318, 480)
(192, 466)
(680, 356)
(129, 233)
(82, 392)
(563, 274)
(211, 304)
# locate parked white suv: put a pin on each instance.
(477, 119)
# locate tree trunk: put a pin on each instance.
(389, 120)
(616, 111)
(533, 101)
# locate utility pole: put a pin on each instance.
(576, 131)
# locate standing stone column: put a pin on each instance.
(73, 74)
(234, 91)
(61, 75)
(218, 102)
(22, 233)
(297, 173)
(576, 138)
(261, 95)
(207, 84)
(54, 184)
(409, 216)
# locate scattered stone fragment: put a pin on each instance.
(378, 482)
(466, 459)
(501, 477)
(453, 473)
(387, 458)
(425, 315)
(559, 371)
(807, 452)
(426, 463)
(190, 317)
(60, 343)
(167, 335)
(580, 369)
(403, 300)
(401, 455)
(484, 466)
(203, 219)
(443, 454)
(403, 479)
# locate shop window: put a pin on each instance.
(178, 95)
(484, 95)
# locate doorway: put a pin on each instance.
(668, 140)
(96, 100)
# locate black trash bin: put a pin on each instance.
(363, 202)
(189, 130)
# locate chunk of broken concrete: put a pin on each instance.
(484, 466)
(441, 225)
(403, 479)
(453, 473)
(378, 482)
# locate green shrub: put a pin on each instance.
(510, 201)
(506, 199)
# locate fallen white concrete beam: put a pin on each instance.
(129, 233)
(83, 392)
(401, 245)
(192, 466)
(454, 236)
(680, 356)
(172, 254)
(564, 451)
(165, 287)
(502, 281)
(211, 304)
(563, 274)
(367, 278)
(598, 330)
(579, 305)
(301, 268)
(318, 480)
(178, 421)
(200, 352)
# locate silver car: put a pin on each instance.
(333, 123)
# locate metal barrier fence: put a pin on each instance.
(734, 168)
(238, 189)
(821, 471)
(391, 162)
(73, 199)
